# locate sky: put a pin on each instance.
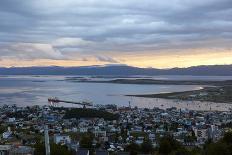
(142, 33)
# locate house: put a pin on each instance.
(139, 140)
(6, 135)
(201, 134)
(83, 130)
(63, 139)
(151, 137)
(22, 150)
(11, 120)
(99, 133)
(4, 149)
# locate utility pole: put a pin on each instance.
(47, 145)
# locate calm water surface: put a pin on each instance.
(34, 90)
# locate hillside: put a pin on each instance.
(219, 70)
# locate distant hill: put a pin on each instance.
(122, 70)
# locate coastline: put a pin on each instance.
(212, 91)
(154, 81)
(218, 94)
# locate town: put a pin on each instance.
(107, 129)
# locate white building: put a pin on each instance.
(62, 139)
(7, 134)
(11, 120)
(83, 130)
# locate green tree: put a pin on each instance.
(133, 148)
(2, 129)
(167, 145)
(39, 149)
(55, 149)
(227, 138)
(59, 150)
(146, 147)
(217, 149)
(86, 141)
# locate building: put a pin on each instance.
(7, 134)
(21, 150)
(62, 139)
(83, 130)
(201, 134)
(4, 149)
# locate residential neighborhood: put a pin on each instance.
(22, 128)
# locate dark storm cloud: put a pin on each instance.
(95, 26)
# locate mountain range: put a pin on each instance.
(121, 70)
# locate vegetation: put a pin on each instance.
(169, 146)
(2, 129)
(145, 148)
(86, 141)
(223, 147)
(221, 94)
(55, 149)
(169, 82)
(17, 114)
(133, 148)
(90, 113)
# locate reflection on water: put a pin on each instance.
(28, 90)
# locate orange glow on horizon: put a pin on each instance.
(146, 59)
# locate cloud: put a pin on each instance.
(106, 59)
(29, 51)
(96, 27)
(64, 42)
